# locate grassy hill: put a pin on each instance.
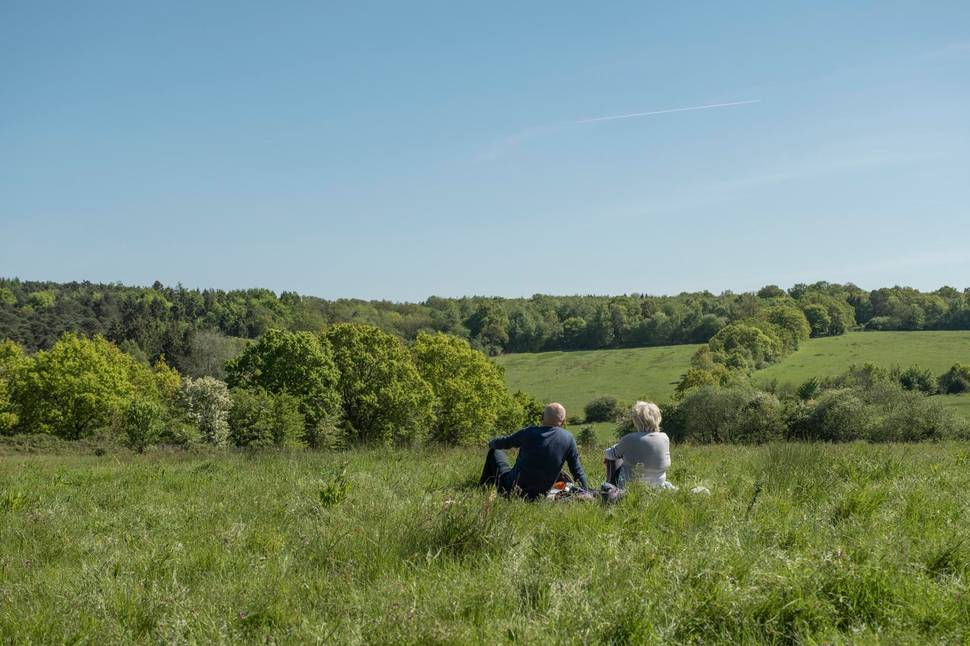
(574, 378)
(830, 356)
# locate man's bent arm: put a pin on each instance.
(512, 441)
(575, 467)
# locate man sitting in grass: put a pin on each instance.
(542, 452)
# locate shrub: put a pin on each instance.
(866, 377)
(384, 398)
(955, 380)
(297, 363)
(836, 416)
(206, 403)
(334, 487)
(809, 389)
(530, 406)
(736, 414)
(586, 437)
(911, 417)
(469, 389)
(761, 419)
(880, 323)
(918, 379)
(260, 418)
(142, 422)
(603, 409)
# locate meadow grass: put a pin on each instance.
(797, 543)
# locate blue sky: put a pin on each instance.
(399, 150)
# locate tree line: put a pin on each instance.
(350, 384)
(196, 331)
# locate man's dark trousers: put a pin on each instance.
(497, 471)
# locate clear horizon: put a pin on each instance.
(386, 152)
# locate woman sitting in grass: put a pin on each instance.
(643, 455)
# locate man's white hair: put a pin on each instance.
(646, 417)
(553, 414)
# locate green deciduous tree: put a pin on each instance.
(790, 325)
(384, 396)
(77, 386)
(297, 363)
(818, 319)
(747, 341)
(12, 362)
(469, 389)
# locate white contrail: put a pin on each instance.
(650, 114)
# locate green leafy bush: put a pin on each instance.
(955, 380)
(736, 414)
(334, 487)
(603, 409)
(809, 389)
(260, 418)
(909, 416)
(142, 423)
(838, 415)
(742, 342)
(918, 379)
(586, 437)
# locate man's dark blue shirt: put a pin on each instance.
(542, 452)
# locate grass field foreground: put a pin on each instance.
(796, 543)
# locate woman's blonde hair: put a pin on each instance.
(646, 417)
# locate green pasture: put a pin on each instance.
(574, 378)
(796, 543)
(832, 355)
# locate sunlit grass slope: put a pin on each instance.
(936, 351)
(574, 378)
(831, 356)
